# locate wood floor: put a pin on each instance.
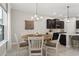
(62, 51)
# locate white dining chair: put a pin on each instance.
(18, 44)
(35, 45)
(53, 46)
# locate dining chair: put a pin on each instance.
(19, 45)
(35, 45)
(75, 41)
(52, 45)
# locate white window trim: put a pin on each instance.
(4, 40)
(5, 9)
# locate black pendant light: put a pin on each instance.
(68, 16)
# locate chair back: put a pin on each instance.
(35, 42)
(58, 40)
(53, 44)
(63, 39)
(55, 36)
(16, 40)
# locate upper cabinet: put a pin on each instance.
(60, 24)
(50, 24)
(55, 24)
(77, 24)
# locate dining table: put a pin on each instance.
(46, 36)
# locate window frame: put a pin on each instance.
(2, 24)
(2, 32)
(2, 16)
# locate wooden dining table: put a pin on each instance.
(46, 36)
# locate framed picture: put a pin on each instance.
(29, 24)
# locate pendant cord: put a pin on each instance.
(36, 8)
(68, 11)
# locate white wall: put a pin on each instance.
(70, 26)
(18, 24)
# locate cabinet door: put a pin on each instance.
(60, 24)
(53, 25)
(50, 24)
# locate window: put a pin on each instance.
(1, 16)
(1, 32)
(1, 25)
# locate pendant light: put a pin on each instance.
(68, 13)
(36, 16)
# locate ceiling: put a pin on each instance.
(48, 9)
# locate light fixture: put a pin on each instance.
(36, 16)
(68, 13)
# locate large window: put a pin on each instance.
(1, 15)
(1, 25)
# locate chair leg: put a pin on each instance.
(17, 51)
(46, 51)
(29, 53)
(56, 52)
(41, 53)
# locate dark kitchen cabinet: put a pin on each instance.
(60, 24)
(77, 24)
(50, 24)
(55, 24)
